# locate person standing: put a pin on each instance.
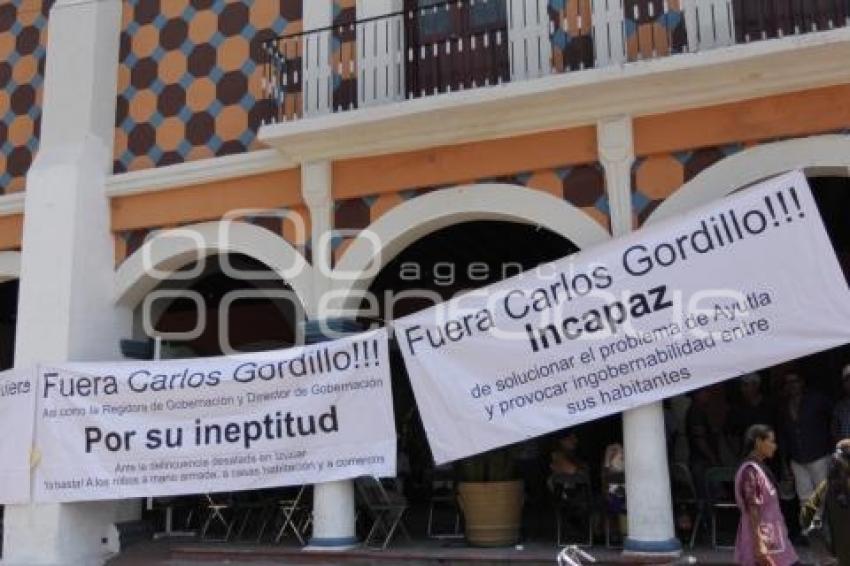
(762, 534)
(841, 414)
(833, 497)
(808, 434)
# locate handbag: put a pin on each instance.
(819, 536)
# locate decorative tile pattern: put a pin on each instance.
(189, 74)
(580, 185)
(654, 28)
(656, 177)
(572, 43)
(129, 241)
(23, 54)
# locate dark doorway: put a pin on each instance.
(264, 315)
(435, 268)
(455, 45)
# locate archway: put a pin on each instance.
(385, 238)
(212, 289)
(443, 243)
(705, 429)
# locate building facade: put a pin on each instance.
(317, 140)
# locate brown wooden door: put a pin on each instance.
(456, 44)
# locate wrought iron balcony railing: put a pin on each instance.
(438, 46)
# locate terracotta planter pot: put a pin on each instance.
(492, 511)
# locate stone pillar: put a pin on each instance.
(66, 309)
(333, 502)
(651, 527)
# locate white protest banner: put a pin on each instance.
(141, 429)
(17, 403)
(744, 283)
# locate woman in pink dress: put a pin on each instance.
(762, 534)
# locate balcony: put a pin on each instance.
(501, 48)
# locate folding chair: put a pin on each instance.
(685, 495)
(720, 493)
(295, 515)
(219, 511)
(385, 508)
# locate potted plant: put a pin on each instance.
(490, 494)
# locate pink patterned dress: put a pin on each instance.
(754, 489)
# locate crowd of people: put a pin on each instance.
(790, 445)
(788, 441)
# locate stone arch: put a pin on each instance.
(389, 235)
(170, 250)
(818, 155)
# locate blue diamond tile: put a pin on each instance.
(186, 81)
(132, 28)
(639, 201)
(159, 21)
(248, 101)
(128, 124)
(602, 204)
(16, 28)
(32, 144)
(247, 138)
(158, 53)
(157, 85)
(156, 119)
(155, 153)
(6, 148)
(216, 39)
(249, 31)
(184, 114)
(186, 47)
(249, 67)
(216, 73)
(131, 60)
(184, 148)
(215, 142)
(215, 108)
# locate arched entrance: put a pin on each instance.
(436, 245)
(705, 429)
(212, 289)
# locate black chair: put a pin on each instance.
(385, 508)
(443, 501)
(573, 502)
(685, 497)
(720, 499)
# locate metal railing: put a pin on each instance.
(451, 45)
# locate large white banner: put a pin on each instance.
(17, 403)
(744, 283)
(141, 429)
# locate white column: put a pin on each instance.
(650, 506)
(317, 83)
(380, 52)
(333, 502)
(65, 309)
